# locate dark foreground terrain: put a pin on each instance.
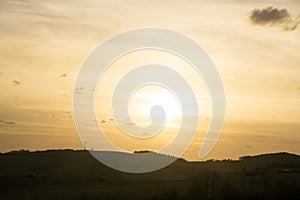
(68, 174)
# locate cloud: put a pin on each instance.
(7, 122)
(79, 90)
(16, 82)
(47, 67)
(129, 123)
(66, 112)
(63, 75)
(10, 122)
(146, 134)
(273, 17)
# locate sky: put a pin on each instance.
(255, 46)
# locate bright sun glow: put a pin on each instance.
(147, 97)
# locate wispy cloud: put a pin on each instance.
(7, 122)
(273, 17)
(79, 90)
(16, 82)
(129, 123)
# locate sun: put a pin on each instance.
(148, 96)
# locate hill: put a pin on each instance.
(71, 174)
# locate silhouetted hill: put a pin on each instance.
(70, 174)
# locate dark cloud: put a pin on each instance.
(16, 82)
(102, 122)
(248, 147)
(10, 122)
(7, 122)
(273, 17)
(63, 75)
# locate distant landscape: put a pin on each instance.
(75, 174)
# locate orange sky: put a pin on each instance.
(43, 44)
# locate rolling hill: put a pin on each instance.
(75, 174)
